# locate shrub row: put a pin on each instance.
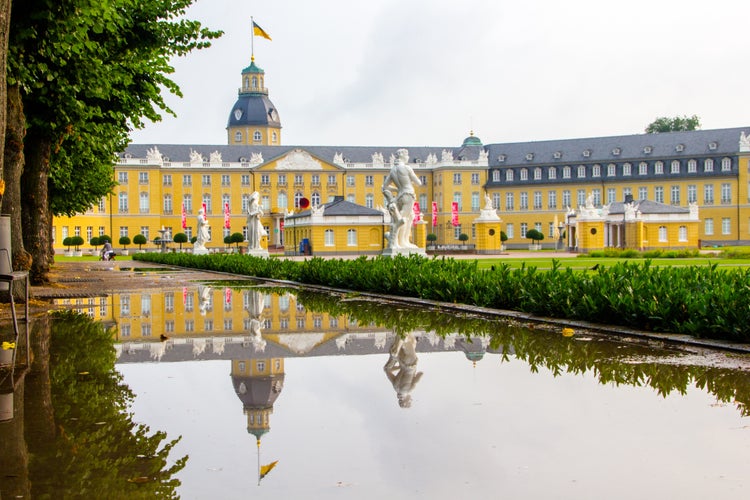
(698, 300)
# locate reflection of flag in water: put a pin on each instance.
(265, 469)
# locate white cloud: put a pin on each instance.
(425, 72)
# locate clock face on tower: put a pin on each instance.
(237, 114)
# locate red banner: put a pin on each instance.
(184, 295)
(454, 213)
(281, 224)
(205, 212)
(227, 295)
(226, 216)
(417, 213)
(184, 217)
(434, 213)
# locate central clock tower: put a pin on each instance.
(253, 119)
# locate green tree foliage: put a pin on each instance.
(236, 238)
(88, 73)
(534, 235)
(139, 240)
(180, 238)
(124, 241)
(99, 451)
(676, 124)
(95, 242)
(77, 241)
(463, 237)
(503, 236)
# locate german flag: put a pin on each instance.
(257, 30)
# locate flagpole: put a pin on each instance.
(252, 43)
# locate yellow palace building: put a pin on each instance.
(671, 190)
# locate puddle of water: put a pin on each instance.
(344, 397)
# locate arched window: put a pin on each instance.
(187, 203)
(238, 136)
(207, 202)
(257, 136)
(328, 238)
(167, 204)
(596, 171)
(281, 201)
(122, 200)
(509, 175)
(315, 199)
(369, 200)
(297, 197)
(143, 204)
(255, 82)
(351, 237)
(662, 234)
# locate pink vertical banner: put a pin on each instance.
(205, 212)
(454, 213)
(417, 213)
(226, 216)
(227, 295)
(434, 213)
(184, 217)
(184, 295)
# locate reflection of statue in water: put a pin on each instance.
(403, 177)
(255, 229)
(204, 299)
(255, 310)
(401, 368)
(202, 236)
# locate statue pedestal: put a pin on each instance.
(390, 252)
(258, 252)
(200, 250)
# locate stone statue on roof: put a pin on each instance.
(153, 156)
(744, 142)
(195, 157)
(215, 157)
(256, 158)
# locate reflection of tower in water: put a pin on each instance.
(257, 382)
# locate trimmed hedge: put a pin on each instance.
(698, 300)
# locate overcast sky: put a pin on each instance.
(426, 72)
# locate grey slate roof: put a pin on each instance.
(256, 110)
(696, 144)
(648, 207)
(340, 207)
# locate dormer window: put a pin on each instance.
(586, 153)
(679, 148)
(557, 155)
(509, 175)
(616, 152)
(581, 171)
(529, 156)
(647, 150)
(501, 158)
(713, 145)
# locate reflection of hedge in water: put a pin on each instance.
(619, 363)
(98, 452)
(697, 300)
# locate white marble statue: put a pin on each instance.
(195, 157)
(744, 142)
(401, 368)
(403, 178)
(255, 230)
(215, 157)
(202, 235)
(488, 202)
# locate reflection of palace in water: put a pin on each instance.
(256, 331)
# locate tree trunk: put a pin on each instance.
(12, 170)
(4, 31)
(35, 212)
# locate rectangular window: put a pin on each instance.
(726, 193)
(537, 200)
(456, 178)
(122, 177)
(224, 179)
(187, 180)
(581, 193)
(726, 226)
(206, 180)
(474, 202)
(474, 179)
(611, 195)
(509, 202)
(674, 193)
(144, 231)
(552, 199)
(524, 229)
(659, 194)
(350, 181)
(510, 230)
(265, 180)
(708, 194)
(331, 180)
(166, 179)
(566, 198)
(142, 177)
(123, 231)
(369, 180)
(328, 238)
(642, 193)
(299, 180)
(708, 225)
(523, 203)
(351, 237)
